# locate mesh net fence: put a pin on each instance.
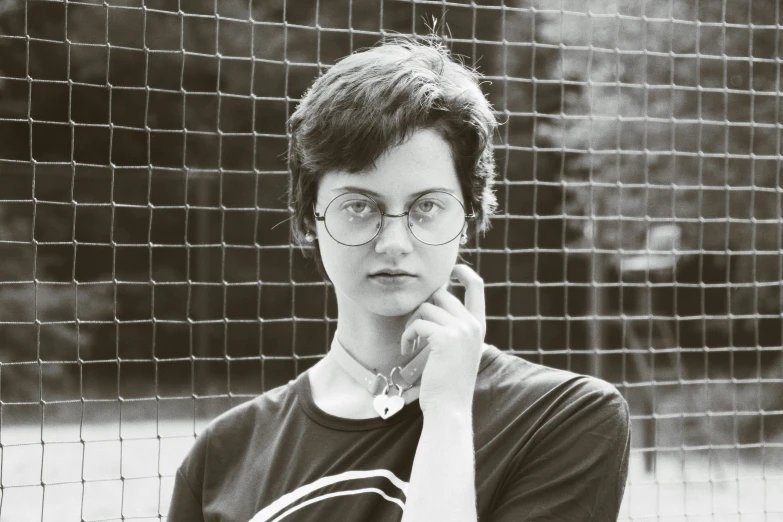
(148, 282)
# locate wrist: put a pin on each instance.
(452, 405)
(450, 415)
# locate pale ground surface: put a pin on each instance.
(121, 479)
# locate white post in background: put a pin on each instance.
(657, 263)
(596, 304)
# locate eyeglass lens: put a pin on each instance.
(434, 218)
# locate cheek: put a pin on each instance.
(330, 258)
(440, 263)
(341, 263)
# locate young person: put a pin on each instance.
(410, 416)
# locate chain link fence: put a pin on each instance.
(148, 282)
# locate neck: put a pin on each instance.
(373, 340)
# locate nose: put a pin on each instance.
(394, 238)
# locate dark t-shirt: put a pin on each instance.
(550, 445)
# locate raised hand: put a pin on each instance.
(455, 334)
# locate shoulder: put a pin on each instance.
(241, 422)
(554, 396)
(510, 373)
(248, 415)
(561, 439)
(223, 447)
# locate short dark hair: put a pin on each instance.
(374, 100)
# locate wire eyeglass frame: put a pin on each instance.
(322, 217)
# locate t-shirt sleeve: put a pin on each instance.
(185, 505)
(577, 470)
(186, 496)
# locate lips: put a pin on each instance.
(391, 273)
(393, 279)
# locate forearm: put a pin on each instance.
(442, 484)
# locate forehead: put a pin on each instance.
(422, 163)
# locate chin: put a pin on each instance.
(392, 310)
(390, 306)
(393, 304)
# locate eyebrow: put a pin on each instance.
(379, 196)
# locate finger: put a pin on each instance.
(432, 313)
(450, 303)
(474, 292)
(418, 328)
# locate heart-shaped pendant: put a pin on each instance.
(387, 406)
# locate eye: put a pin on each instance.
(428, 206)
(356, 207)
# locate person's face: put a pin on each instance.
(421, 164)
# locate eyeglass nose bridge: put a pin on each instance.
(393, 215)
(384, 214)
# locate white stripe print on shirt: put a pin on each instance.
(289, 499)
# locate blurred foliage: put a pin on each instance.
(679, 123)
(148, 139)
(48, 354)
(153, 142)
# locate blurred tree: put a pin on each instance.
(678, 122)
(164, 128)
(117, 111)
(49, 354)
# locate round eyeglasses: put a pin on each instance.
(434, 218)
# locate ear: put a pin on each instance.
(310, 226)
(312, 230)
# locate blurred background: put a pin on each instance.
(147, 281)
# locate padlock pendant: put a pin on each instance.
(387, 405)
